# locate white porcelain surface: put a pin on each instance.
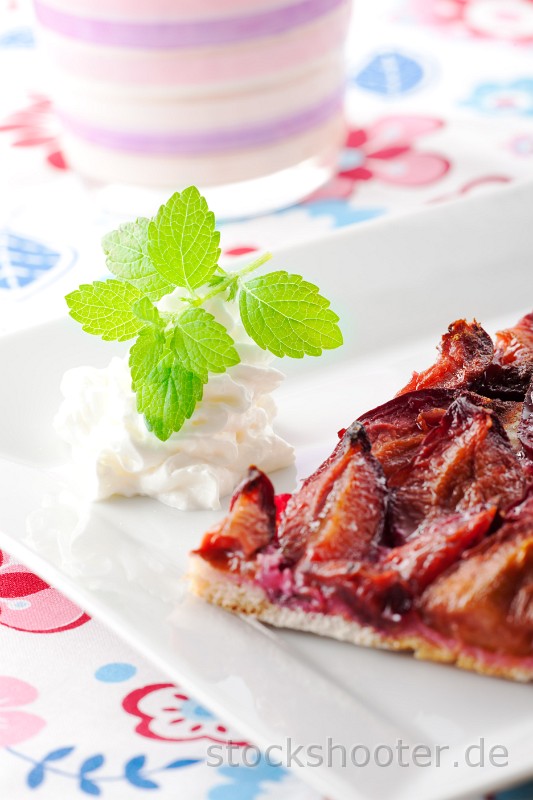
(396, 284)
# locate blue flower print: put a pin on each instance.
(506, 98)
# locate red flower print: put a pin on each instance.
(507, 20)
(29, 604)
(385, 151)
(241, 250)
(170, 715)
(36, 126)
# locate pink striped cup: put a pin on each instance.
(165, 93)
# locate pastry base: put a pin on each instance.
(229, 592)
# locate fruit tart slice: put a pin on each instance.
(416, 533)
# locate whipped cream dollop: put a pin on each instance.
(113, 451)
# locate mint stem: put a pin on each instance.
(253, 265)
(232, 277)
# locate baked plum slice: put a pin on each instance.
(437, 545)
(387, 588)
(465, 352)
(486, 599)
(515, 345)
(369, 592)
(510, 372)
(466, 462)
(251, 522)
(397, 428)
(340, 511)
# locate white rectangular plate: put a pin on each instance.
(396, 285)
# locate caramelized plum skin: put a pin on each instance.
(515, 345)
(486, 599)
(465, 352)
(418, 517)
(388, 586)
(251, 523)
(510, 372)
(438, 545)
(369, 591)
(397, 428)
(465, 462)
(340, 510)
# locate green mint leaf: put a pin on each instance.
(286, 315)
(167, 393)
(104, 308)
(183, 242)
(146, 354)
(127, 258)
(202, 344)
(145, 310)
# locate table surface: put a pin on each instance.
(440, 103)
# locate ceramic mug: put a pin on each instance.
(212, 92)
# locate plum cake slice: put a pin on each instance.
(416, 533)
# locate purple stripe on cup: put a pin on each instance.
(206, 142)
(185, 33)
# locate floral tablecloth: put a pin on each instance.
(441, 105)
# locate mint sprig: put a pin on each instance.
(175, 352)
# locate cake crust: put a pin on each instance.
(229, 593)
